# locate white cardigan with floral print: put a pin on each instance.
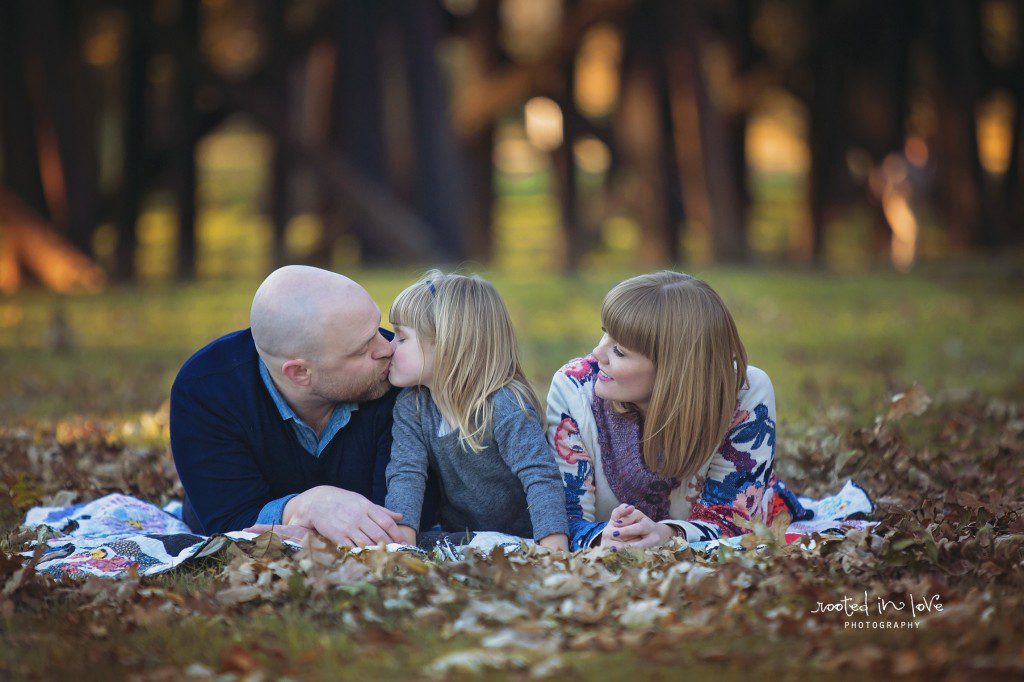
(734, 487)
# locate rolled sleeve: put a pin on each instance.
(273, 512)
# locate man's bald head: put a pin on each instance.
(298, 307)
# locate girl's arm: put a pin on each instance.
(556, 541)
(520, 440)
(407, 470)
(731, 494)
(564, 409)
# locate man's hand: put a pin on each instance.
(343, 517)
(628, 526)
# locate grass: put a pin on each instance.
(843, 341)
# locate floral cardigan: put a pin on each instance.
(736, 486)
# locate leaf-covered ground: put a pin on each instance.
(942, 580)
(948, 559)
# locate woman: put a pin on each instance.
(664, 429)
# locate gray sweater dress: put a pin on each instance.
(513, 486)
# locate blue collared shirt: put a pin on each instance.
(305, 433)
(273, 510)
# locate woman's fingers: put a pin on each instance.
(607, 539)
(659, 535)
(634, 531)
(649, 540)
(621, 511)
(631, 517)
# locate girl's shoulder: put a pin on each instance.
(506, 401)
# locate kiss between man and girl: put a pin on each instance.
(317, 419)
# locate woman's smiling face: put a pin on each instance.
(626, 376)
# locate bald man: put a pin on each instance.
(288, 423)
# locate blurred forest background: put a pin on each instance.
(156, 139)
(848, 174)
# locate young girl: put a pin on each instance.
(468, 414)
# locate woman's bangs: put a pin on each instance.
(623, 316)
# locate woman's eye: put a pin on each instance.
(618, 352)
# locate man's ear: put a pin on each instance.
(296, 371)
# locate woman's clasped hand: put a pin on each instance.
(628, 526)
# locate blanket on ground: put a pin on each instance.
(109, 536)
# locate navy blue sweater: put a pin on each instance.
(234, 453)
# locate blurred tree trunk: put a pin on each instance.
(961, 178)
(318, 79)
(736, 121)
(641, 137)
(133, 130)
(893, 64)
(1014, 199)
(70, 100)
(1011, 203)
(186, 134)
(728, 237)
(718, 178)
(826, 122)
(18, 133)
(279, 190)
(675, 205)
(566, 176)
(440, 185)
(483, 29)
(358, 115)
(1013, 189)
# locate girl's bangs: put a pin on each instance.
(410, 308)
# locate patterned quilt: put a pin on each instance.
(108, 536)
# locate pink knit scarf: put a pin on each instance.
(619, 436)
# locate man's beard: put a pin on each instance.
(374, 386)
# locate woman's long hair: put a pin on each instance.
(475, 349)
(682, 325)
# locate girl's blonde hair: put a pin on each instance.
(475, 349)
(700, 365)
